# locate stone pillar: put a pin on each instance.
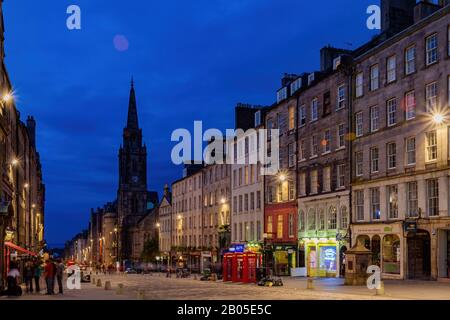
(401, 200)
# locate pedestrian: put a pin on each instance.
(55, 269)
(59, 275)
(37, 275)
(49, 276)
(28, 273)
(12, 280)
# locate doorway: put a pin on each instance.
(419, 255)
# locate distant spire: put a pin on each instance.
(132, 122)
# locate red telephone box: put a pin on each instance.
(227, 267)
(249, 274)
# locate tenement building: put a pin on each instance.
(401, 151)
(22, 192)
(165, 225)
(280, 211)
(247, 182)
(323, 166)
(186, 220)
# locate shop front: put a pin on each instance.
(387, 245)
(284, 259)
(322, 257)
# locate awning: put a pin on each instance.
(16, 247)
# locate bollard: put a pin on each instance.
(380, 291)
(141, 294)
(99, 282)
(108, 285)
(310, 284)
(119, 288)
(92, 280)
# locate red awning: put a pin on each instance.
(16, 247)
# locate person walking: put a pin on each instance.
(49, 275)
(37, 275)
(12, 280)
(28, 275)
(59, 275)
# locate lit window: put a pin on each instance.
(431, 145)
(393, 202)
(431, 96)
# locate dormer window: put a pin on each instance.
(281, 94)
(311, 78)
(297, 84)
(337, 62)
(257, 119)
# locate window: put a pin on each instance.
(374, 77)
(431, 145)
(359, 124)
(302, 115)
(374, 119)
(281, 94)
(291, 158)
(391, 112)
(392, 202)
(448, 40)
(257, 119)
(341, 136)
(332, 219)
(374, 160)
(412, 202)
(297, 84)
(392, 155)
(410, 105)
(359, 165)
(341, 97)
(433, 197)
(258, 199)
(326, 141)
(432, 49)
(344, 218)
(301, 221)
(291, 225)
(391, 254)
(314, 182)
(280, 227)
(314, 109)
(252, 201)
(246, 202)
(302, 153)
(327, 179)
(315, 145)
(410, 151)
(291, 190)
(391, 68)
(410, 60)
(234, 204)
(302, 184)
(359, 195)
(240, 203)
(326, 104)
(312, 219)
(258, 230)
(341, 176)
(375, 203)
(291, 117)
(431, 96)
(269, 225)
(359, 85)
(321, 215)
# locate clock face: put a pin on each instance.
(135, 179)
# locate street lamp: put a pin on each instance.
(223, 201)
(282, 177)
(438, 118)
(14, 162)
(26, 185)
(7, 97)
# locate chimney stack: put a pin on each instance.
(396, 15)
(31, 128)
(425, 8)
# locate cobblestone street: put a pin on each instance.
(158, 287)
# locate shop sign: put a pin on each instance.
(237, 248)
(410, 226)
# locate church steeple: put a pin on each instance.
(132, 122)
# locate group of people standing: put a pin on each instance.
(33, 270)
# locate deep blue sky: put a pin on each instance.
(191, 60)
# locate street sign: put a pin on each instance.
(410, 226)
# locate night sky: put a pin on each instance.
(191, 60)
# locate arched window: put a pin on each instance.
(312, 219)
(321, 219)
(301, 221)
(391, 254)
(344, 218)
(332, 218)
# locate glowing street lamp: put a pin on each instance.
(7, 98)
(223, 200)
(438, 118)
(282, 177)
(26, 185)
(14, 162)
(158, 225)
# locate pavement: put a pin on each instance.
(158, 287)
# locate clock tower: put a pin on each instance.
(132, 192)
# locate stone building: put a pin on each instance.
(22, 191)
(247, 183)
(322, 164)
(400, 170)
(280, 211)
(186, 221)
(165, 225)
